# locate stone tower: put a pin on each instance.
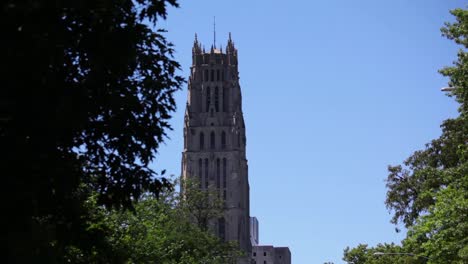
(214, 138)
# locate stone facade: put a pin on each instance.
(214, 138)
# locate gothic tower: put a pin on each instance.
(214, 138)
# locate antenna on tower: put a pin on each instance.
(214, 31)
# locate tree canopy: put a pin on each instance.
(158, 231)
(87, 94)
(428, 193)
(412, 188)
(380, 254)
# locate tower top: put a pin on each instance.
(196, 46)
(199, 49)
(214, 31)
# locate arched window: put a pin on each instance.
(224, 175)
(212, 140)
(212, 75)
(202, 140)
(218, 174)
(216, 99)
(200, 173)
(208, 98)
(223, 140)
(206, 173)
(217, 75)
(206, 76)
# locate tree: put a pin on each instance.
(87, 92)
(442, 234)
(412, 188)
(158, 231)
(362, 254)
(429, 192)
(202, 206)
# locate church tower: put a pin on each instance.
(214, 138)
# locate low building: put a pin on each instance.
(266, 254)
(271, 255)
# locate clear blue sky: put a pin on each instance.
(333, 92)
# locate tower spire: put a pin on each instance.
(214, 31)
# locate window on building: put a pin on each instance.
(217, 75)
(206, 76)
(224, 173)
(216, 96)
(206, 173)
(223, 140)
(208, 98)
(200, 173)
(212, 75)
(202, 141)
(218, 174)
(264, 253)
(225, 99)
(212, 140)
(254, 254)
(222, 75)
(264, 262)
(222, 228)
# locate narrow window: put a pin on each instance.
(216, 99)
(212, 75)
(212, 140)
(264, 253)
(222, 228)
(218, 174)
(206, 76)
(202, 141)
(224, 174)
(255, 254)
(223, 140)
(206, 173)
(217, 75)
(222, 75)
(225, 99)
(200, 173)
(208, 98)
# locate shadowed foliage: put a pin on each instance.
(87, 93)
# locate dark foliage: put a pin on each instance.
(87, 90)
